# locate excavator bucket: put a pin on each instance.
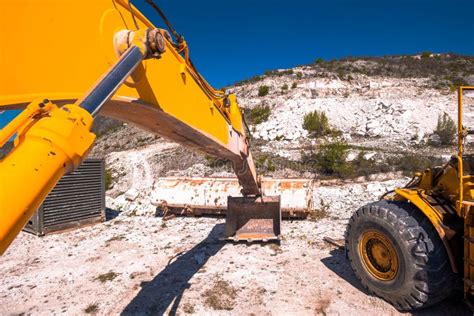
(253, 218)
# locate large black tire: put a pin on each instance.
(423, 275)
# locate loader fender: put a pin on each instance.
(434, 216)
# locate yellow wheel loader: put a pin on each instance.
(415, 247)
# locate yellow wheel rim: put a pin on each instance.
(378, 255)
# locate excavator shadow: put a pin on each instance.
(167, 288)
(338, 263)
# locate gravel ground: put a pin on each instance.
(147, 266)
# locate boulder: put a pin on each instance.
(372, 125)
(131, 194)
(351, 156)
(434, 139)
(370, 155)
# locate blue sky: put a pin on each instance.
(234, 40)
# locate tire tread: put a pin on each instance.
(435, 279)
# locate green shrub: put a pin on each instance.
(319, 61)
(264, 163)
(108, 179)
(215, 162)
(331, 159)
(409, 163)
(457, 82)
(316, 123)
(426, 55)
(446, 129)
(259, 114)
(299, 75)
(365, 167)
(284, 87)
(294, 85)
(263, 90)
(253, 79)
(341, 73)
(278, 73)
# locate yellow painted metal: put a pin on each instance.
(460, 152)
(22, 120)
(455, 186)
(464, 181)
(465, 203)
(234, 113)
(58, 50)
(416, 197)
(378, 255)
(47, 147)
(448, 184)
(469, 255)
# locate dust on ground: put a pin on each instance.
(147, 265)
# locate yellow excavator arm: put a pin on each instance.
(56, 50)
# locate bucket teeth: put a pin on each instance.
(253, 218)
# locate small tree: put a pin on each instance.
(446, 129)
(316, 123)
(263, 91)
(294, 85)
(331, 159)
(284, 87)
(259, 114)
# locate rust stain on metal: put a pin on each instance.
(208, 196)
(288, 185)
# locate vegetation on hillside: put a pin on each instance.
(258, 114)
(263, 90)
(444, 70)
(317, 124)
(446, 129)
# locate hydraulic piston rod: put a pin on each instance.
(112, 80)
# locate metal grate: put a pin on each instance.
(77, 199)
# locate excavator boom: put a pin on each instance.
(53, 56)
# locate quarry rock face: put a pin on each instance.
(386, 108)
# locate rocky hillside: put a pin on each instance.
(381, 114)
